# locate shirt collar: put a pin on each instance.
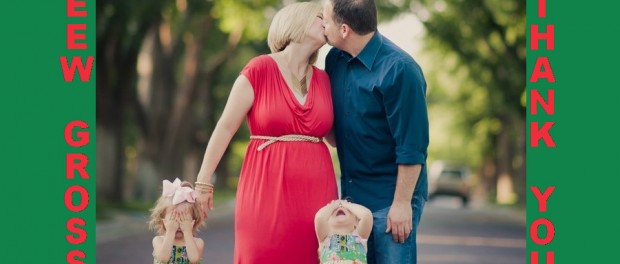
(369, 53)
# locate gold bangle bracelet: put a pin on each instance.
(203, 184)
(204, 189)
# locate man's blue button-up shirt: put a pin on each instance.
(380, 120)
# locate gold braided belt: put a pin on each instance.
(284, 138)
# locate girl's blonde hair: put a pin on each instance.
(291, 24)
(163, 204)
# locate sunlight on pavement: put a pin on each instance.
(471, 241)
(464, 258)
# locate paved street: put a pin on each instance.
(451, 235)
(448, 235)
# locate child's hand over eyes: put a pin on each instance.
(171, 223)
(186, 222)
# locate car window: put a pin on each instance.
(452, 174)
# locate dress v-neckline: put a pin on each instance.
(291, 94)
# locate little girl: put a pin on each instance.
(342, 229)
(176, 219)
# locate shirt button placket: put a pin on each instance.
(348, 95)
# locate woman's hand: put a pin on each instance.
(206, 202)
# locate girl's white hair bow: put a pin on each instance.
(178, 193)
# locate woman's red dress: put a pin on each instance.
(282, 186)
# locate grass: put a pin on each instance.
(223, 196)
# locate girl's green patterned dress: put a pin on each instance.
(343, 249)
(178, 256)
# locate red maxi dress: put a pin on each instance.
(282, 186)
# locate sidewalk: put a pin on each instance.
(125, 224)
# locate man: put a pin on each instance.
(381, 127)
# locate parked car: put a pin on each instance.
(449, 179)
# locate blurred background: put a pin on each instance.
(165, 69)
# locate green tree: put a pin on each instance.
(159, 62)
(478, 49)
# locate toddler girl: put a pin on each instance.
(176, 219)
(342, 229)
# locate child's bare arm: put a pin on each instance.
(364, 227)
(193, 245)
(320, 220)
(162, 246)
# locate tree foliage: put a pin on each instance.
(478, 67)
(165, 68)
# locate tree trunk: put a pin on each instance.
(147, 186)
(114, 77)
(489, 178)
(505, 155)
(109, 164)
(519, 179)
(223, 172)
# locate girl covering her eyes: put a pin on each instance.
(176, 218)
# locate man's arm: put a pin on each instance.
(405, 105)
(400, 217)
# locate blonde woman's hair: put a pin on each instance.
(163, 204)
(291, 24)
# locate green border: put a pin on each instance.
(584, 165)
(36, 104)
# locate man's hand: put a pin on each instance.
(400, 221)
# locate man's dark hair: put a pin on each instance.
(360, 15)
